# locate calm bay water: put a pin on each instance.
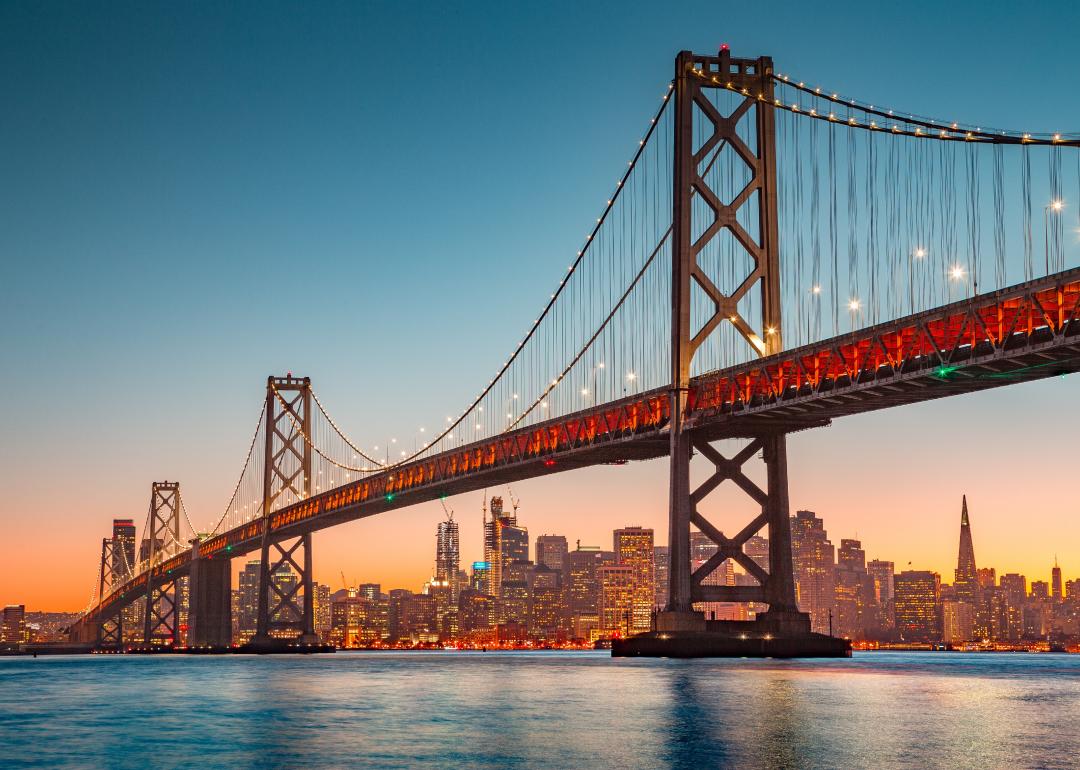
(565, 710)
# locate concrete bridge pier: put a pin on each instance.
(210, 608)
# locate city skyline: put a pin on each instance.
(68, 321)
(624, 384)
(467, 551)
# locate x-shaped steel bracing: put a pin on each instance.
(729, 547)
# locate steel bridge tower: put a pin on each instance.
(749, 130)
(161, 616)
(287, 478)
(111, 631)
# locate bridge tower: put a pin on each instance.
(111, 630)
(699, 216)
(287, 478)
(161, 616)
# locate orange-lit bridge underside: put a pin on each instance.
(1026, 332)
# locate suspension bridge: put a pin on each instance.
(774, 256)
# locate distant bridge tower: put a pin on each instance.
(160, 619)
(111, 630)
(699, 216)
(286, 479)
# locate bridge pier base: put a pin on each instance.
(210, 611)
(683, 631)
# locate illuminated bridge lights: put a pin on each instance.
(1008, 330)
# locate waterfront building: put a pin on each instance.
(856, 594)
(583, 590)
(475, 611)
(13, 625)
(249, 601)
(323, 610)
(815, 570)
(662, 565)
(883, 572)
(634, 549)
(615, 602)
(957, 621)
(345, 613)
(545, 605)
(916, 605)
(398, 613)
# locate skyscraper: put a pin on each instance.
(504, 542)
(916, 603)
(1056, 594)
(448, 554)
(123, 551)
(882, 572)
(123, 566)
(856, 596)
(662, 564)
(545, 591)
(815, 569)
(966, 579)
(552, 551)
(583, 590)
(13, 627)
(249, 599)
(634, 549)
(615, 603)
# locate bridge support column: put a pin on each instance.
(781, 631)
(745, 124)
(286, 611)
(161, 617)
(210, 610)
(110, 633)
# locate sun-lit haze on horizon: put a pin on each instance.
(381, 199)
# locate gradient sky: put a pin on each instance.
(197, 195)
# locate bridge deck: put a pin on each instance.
(1027, 332)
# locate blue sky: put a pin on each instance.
(375, 195)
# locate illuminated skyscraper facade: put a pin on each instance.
(448, 554)
(552, 551)
(634, 549)
(615, 601)
(123, 552)
(815, 569)
(916, 603)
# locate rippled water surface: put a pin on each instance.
(564, 710)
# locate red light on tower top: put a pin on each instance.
(725, 47)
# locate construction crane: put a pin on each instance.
(514, 502)
(344, 582)
(446, 509)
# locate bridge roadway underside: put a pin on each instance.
(1025, 333)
